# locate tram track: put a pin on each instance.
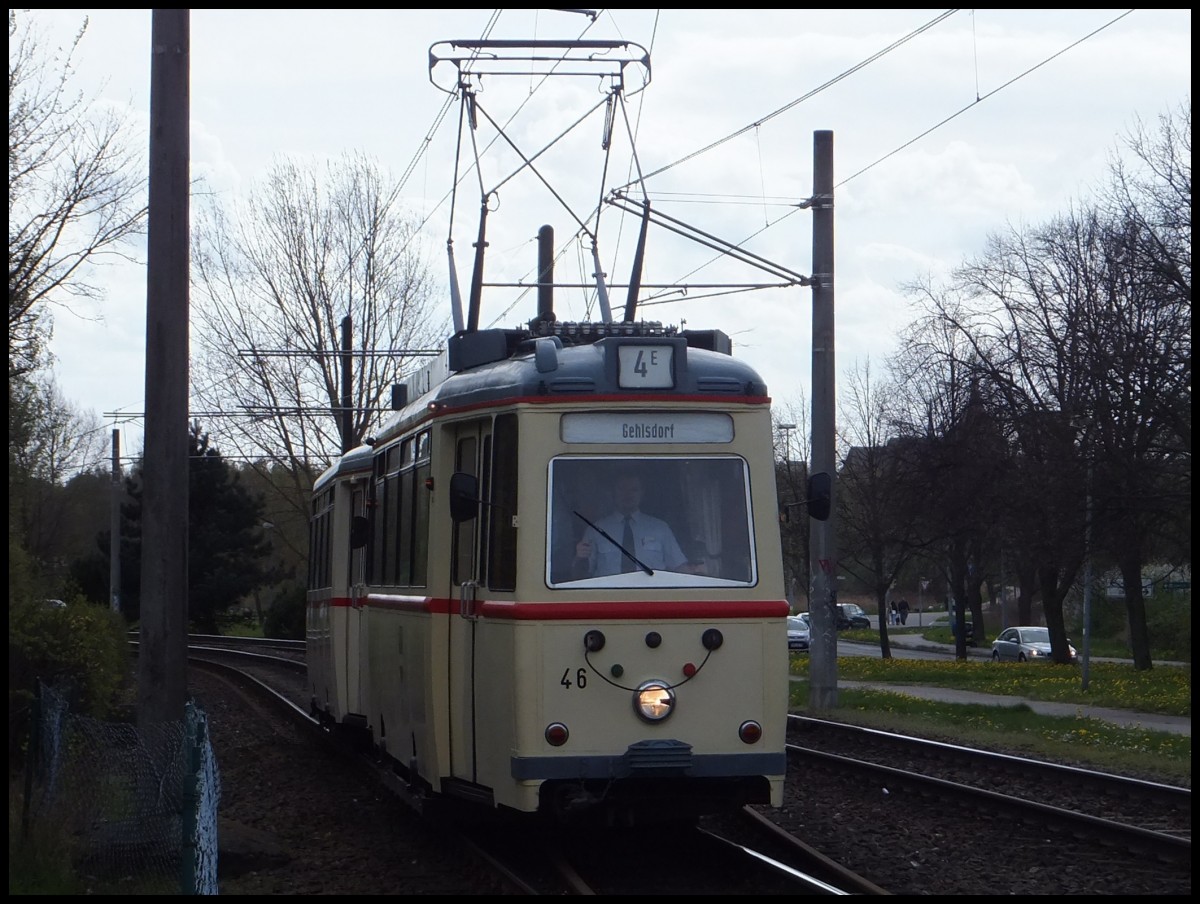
(1119, 856)
(310, 814)
(667, 859)
(532, 857)
(1120, 809)
(911, 815)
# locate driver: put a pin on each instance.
(649, 540)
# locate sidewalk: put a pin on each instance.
(917, 642)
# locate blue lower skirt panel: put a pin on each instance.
(649, 758)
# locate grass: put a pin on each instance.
(48, 852)
(1165, 689)
(1157, 755)
(241, 628)
(39, 854)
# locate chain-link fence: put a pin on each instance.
(136, 807)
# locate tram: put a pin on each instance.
(552, 581)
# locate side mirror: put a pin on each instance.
(820, 496)
(360, 530)
(464, 496)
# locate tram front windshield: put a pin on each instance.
(649, 521)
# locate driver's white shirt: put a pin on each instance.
(654, 544)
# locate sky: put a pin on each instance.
(948, 126)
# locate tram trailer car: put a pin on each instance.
(452, 620)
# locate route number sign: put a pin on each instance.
(646, 367)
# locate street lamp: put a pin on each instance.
(787, 429)
(1087, 582)
(1081, 425)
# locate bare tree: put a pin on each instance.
(1142, 423)
(275, 278)
(57, 441)
(1086, 339)
(1067, 346)
(63, 440)
(880, 490)
(75, 191)
(952, 448)
(1154, 196)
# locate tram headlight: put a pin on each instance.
(653, 700)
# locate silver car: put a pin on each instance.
(798, 635)
(1024, 644)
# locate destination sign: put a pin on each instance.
(634, 427)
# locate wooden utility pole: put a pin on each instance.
(347, 420)
(162, 649)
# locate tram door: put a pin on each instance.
(471, 455)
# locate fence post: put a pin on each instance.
(31, 757)
(201, 794)
(191, 770)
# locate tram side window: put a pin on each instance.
(695, 510)
(319, 570)
(377, 556)
(391, 520)
(464, 532)
(485, 492)
(400, 515)
(502, 548)
(313, 551)
(420, 518)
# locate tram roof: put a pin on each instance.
(356, 460)
(572, 361)
(567, 361)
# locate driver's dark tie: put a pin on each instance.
(627, 563)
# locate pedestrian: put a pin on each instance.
(893, 614)
(903, 611)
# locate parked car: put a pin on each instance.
(798, 633)
(852, 615)
(1025, 643)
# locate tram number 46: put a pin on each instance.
(580, 679)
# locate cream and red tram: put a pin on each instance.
(449, 616)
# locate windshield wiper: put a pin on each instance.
(602, 532)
